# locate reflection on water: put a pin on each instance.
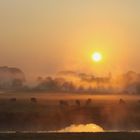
(82, 128)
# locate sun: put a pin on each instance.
(96, 57)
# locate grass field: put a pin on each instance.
(46, 113)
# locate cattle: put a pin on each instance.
(63, 103)
(88, 102)
(122, 102)
(13, 99)
(33, 100)
(78, 103)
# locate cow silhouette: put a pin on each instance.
(33, 100)
(78, 103)
(122, 102)
(88, 102)
(13, 99)
(63, 103)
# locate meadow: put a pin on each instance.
(54, 111)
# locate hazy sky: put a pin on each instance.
(45, 36)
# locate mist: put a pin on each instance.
(12, 78)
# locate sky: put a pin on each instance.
(43, 37)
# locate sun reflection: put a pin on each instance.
(83, 128)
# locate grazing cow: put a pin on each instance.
(78, 103)
(88, 102)
(122, 102)
(63, 103)
(13, 99)
(34, 100)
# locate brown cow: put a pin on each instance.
(33, 99)
(78, 103)
(13, 99)
(122, 102)
(63, 103)
(88, 102)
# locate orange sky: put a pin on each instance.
(45, 36)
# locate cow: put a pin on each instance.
(13, 99)
(63, 103)
(78, 103)
(33, 99)
(122, 102)
(88, 102)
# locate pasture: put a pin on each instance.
(51, 112)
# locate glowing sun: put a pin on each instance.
(96, 57)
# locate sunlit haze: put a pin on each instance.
(43, 37)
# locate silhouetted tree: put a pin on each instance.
(17, 83)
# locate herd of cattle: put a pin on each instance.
(77, 102)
